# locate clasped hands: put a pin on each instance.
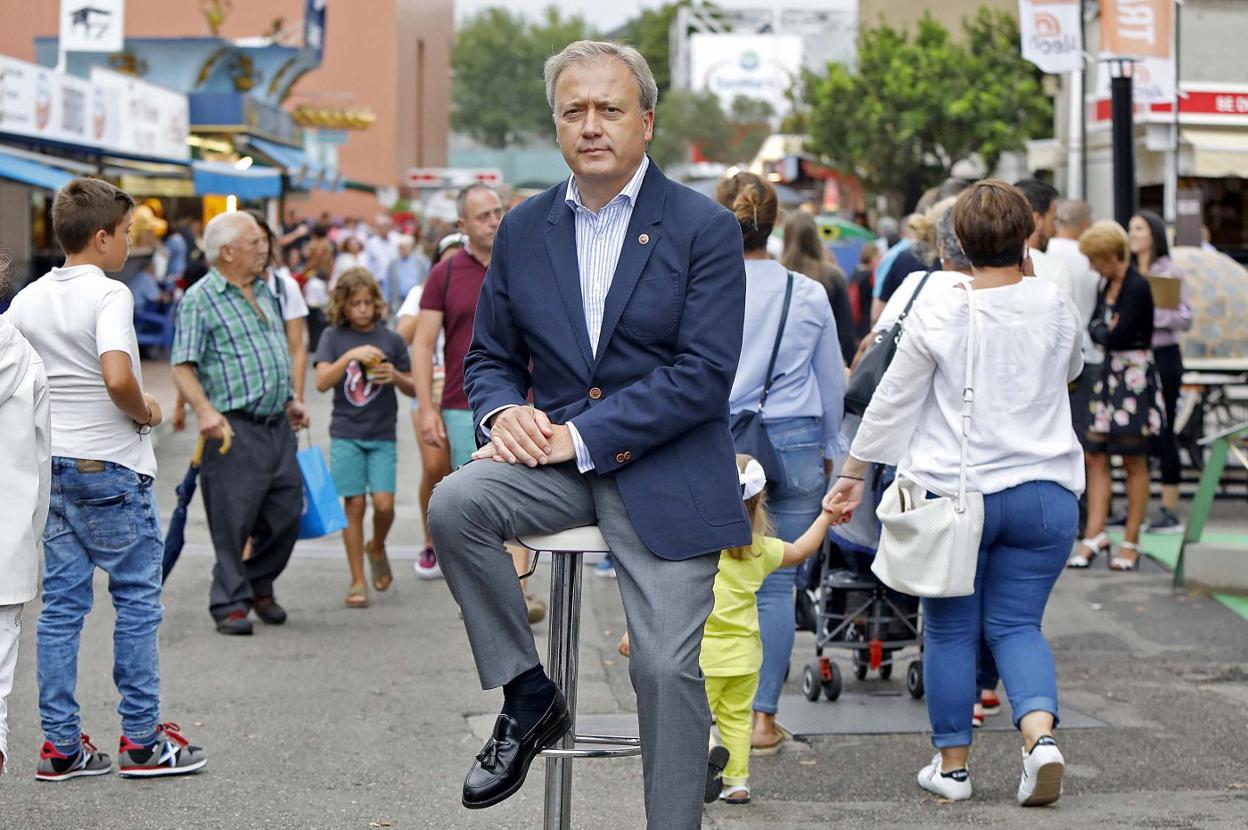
(525, 435)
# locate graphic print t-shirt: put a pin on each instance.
(363, 410)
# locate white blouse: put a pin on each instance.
(1028, 346)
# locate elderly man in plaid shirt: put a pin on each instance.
(232, 364)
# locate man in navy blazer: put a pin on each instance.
(615, 299)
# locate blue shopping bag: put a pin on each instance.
(322, 510)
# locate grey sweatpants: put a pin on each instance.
(666, 603)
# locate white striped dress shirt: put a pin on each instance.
(599, 240)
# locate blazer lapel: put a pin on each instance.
(647, 214)
(561, 247)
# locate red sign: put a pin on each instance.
(1203, 104)
(452, 177)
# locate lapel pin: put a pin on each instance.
(644, 239)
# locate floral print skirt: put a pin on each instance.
(1127, 408)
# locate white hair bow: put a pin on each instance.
(753, 480)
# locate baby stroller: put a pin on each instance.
(857, 613)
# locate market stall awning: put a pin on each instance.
(304, 172)
(224, 179)
(1217, 153)
(31, 172)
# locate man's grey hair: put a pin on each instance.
(590, 51)
(952, 257)
(461, 200)
(1073, 213)
(223, 230)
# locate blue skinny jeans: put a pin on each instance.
(793, 505)
(1028, 533)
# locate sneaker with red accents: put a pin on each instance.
(57, 766)
(172, 754)
(990, 701)
(427, 564)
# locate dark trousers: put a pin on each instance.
(254, 491)
(1169, 361)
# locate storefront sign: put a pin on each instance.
(111, 112)
(1212, 104)
(1052, 34)
(93, 25)
(142, 119)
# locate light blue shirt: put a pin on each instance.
(809, 374)
(886, 262)
(599, 241)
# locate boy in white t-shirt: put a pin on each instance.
(102, 513)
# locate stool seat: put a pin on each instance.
(586, 539)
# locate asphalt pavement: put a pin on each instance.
(349, 718)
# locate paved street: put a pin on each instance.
(356, 719)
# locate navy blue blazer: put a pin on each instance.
(652, 407)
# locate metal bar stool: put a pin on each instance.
(565, 637)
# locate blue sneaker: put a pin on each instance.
(606, 568)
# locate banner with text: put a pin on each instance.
(1142, 30)
(1052, 35)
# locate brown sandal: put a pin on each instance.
(379, 568)
(357, 596)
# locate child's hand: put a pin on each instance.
(368, 355)
(834, 508)
(623, 647)
(382, 373)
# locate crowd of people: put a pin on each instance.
(579, 360)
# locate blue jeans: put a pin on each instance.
(101, 515)
(1028, 533)
(793, 505)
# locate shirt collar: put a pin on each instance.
(629, 193)
(218, 283)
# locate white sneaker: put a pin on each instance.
(1042, 774)
(955, 786)
(427, 565)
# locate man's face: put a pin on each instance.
(601, 128)
(116, 246)
(1046, 226)
(482, 214)
(249, 251)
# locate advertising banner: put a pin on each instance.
(142, 119)
(1137, 28)
(763, 67)
(93, 25)
(1052, 34)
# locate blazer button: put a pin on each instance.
(595, 393)
(621, 457)
(628, 456)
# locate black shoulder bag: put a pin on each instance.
(748, 434)
(874, 363)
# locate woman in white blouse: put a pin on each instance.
(1023, 456)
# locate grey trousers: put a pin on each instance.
(666, 603)
(253, 491)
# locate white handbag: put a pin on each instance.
(930, 547)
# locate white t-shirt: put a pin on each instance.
(897, 303)
(1086, 286)
(411, 308)
(316, 292)
(71, 317)
(294, 307)
(1027, 348)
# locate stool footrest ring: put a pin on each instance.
(609, 746)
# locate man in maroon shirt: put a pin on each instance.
(448, 305)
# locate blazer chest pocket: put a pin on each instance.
(653, 309)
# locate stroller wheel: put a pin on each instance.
(886, 668)
(860, 669)
(832, 688)
(811, 682)
(914, 679)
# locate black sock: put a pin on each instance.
(527, 697)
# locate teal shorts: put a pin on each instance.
(360, 467)
(460, 431)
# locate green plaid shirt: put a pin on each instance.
(243, 361)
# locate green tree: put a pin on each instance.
(917, 105)
(497, 93)
(685, 119)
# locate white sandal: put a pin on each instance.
(729, 791)
(1096, 544)
(1121, 563)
